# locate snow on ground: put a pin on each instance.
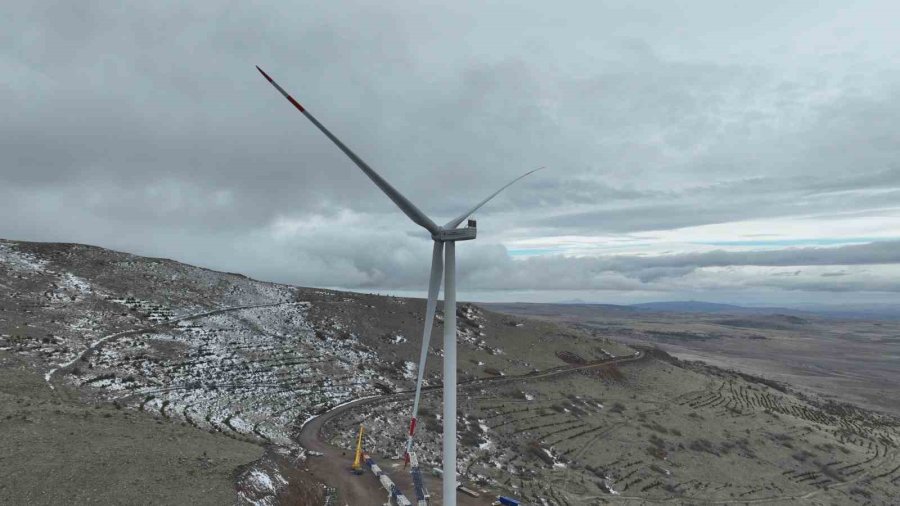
(259, 486)
(409, 370)
(19, 260)
(154, 312)
(250, 372)
(73, 282)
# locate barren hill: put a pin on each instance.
(222, 366)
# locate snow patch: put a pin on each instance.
(409, 369)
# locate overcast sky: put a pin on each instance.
(741, 152)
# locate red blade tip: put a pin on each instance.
(263, 72)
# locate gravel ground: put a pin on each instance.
(58, 448)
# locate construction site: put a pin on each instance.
(363, 464)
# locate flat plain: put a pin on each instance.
(845, 359)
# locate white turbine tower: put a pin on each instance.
(445, 238)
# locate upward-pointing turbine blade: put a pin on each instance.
(455, 222)
(434, 286)
(402, 202)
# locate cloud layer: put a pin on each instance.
(689, 151)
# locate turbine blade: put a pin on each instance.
(434, 286)
(455, 222)
(402, 202)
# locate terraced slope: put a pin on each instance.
(654, 429)
(554, 414)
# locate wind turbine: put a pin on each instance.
(445, 238)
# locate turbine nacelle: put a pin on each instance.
(455, 234)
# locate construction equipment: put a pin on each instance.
(357, 467)
(468, 491)
(394, 493)
(422, 495)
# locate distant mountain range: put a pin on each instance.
(693, 306)
(853, 311)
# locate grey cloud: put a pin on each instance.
(146, 128)
(494, 270)
(734, 201)
(886, 252)
(829, 285)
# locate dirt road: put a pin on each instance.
(333, 468)
(49, 377)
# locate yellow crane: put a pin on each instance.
(357, 467)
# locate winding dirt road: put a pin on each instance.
(333, 467)
(94, 346)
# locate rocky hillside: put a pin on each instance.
(555, 414)
(221, 352)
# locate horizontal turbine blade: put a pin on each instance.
(455, 222)
(402, 202)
